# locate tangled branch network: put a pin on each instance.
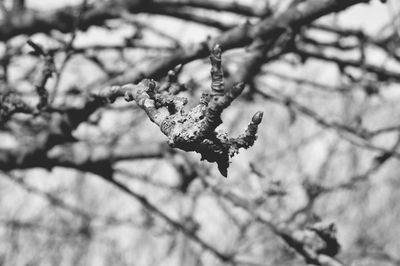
(193, 130)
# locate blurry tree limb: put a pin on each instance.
(242, 35)
(10, 103)
(18, 5)
(48, 69)
(234, 7)
(99, 160)
(381, 73)
(30, 22)
(175, 224)
(59, 202)
(296, 239)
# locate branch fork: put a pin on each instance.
(193, 130)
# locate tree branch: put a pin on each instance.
(193, 130)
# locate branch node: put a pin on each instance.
(193, 130)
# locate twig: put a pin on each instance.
(194, 130)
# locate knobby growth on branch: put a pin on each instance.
(193, 130)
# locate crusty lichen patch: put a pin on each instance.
(195, 129)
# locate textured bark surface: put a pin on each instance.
(195, 129)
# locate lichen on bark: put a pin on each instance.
(194, 129)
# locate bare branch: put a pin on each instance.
(193, 130)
